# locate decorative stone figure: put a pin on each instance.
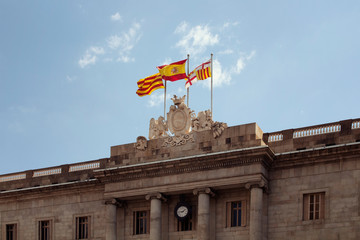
(158, 128)
(203, 121)
(218, 128)
(179, 117)
(141, 143)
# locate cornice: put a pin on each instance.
(316, 155)
(44, 189)
(203, 162)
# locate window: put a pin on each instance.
(236, 214)
(141, 222)
(45, 230)
(188, 224)
(82, 227)
(11, 231)
(314, 206)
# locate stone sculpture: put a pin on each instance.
(179, 117)
(141, 143)
(203, 121)
(218, 128)
(158, 128)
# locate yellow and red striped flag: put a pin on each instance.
(149, 84)
(201, 72)
(174, 71)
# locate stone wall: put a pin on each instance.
(60, 207)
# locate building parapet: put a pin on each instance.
(236, 137)
(53, 176)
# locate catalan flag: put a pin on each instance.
(149, 84)
(201, 72)
(174, 71)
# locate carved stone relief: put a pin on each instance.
(158, 128)
(202, 122)
(218, 128)
(141, 143)
(179, 117)
(178, 140)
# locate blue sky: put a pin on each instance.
(68, 69)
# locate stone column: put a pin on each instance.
(155, 215)
(256, 209)
(203, 223)
(111, 209)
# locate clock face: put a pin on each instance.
(182, 211)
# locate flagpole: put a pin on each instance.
(165, 101)
(212, 114)
(188, 56)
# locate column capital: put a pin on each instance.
(205, 190)
(257, 184)
(114, 201)
(156, 195)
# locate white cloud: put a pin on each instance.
(125, 42)
(87, 59)
(125, 59)
(166, 61)
(230, 24)
(226, 52)
(90, 56)
(119, 45)
(181, 91)
(157, 98)
(97, 50)
(70, 78)
(197, 39)
(114, 42)
(182, 27)
(223, 76)
(116, 17)
(241, 62)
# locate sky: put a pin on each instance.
(68, 69)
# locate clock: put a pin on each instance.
(182, 211)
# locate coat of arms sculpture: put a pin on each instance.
(181, 121)
(179, 117)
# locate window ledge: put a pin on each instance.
(313, 222)
(236, 229)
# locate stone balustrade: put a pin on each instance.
(355, 125)
(45, 172)
(336, 127)
(84, 166)
(276, 137)
(51, 171)
(12, 177)
(317, 131)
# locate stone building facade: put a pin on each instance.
(242, 184)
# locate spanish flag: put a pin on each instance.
(174, 71)
(149, 84)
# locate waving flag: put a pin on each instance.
(149, 84)
(201, 72)
(174, 71)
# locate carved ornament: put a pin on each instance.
(158, 128)
(202, 122)
(179, 117)
(178, 140)
(141, 143)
